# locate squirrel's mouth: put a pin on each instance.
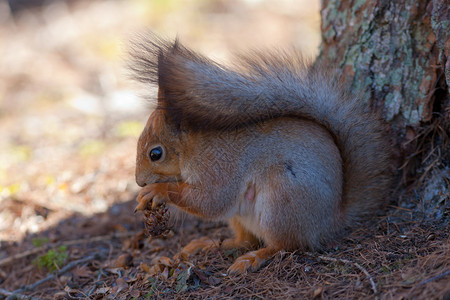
(143, 179)
(168, 179)
(159, 180)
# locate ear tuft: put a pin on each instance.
(145, 53)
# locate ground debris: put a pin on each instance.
(385, 264)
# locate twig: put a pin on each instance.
(428, 281)
(435, 278)
(13, 295)
(429, 167)
(345, 261)
(17, 293)
(10, 259)
(63, 270)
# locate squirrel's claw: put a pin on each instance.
(141, 206)
(149, 195)
(143, 199)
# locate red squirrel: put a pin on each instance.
(278, 148)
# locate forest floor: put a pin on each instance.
(107, 256)
(69, 123)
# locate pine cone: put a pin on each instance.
(157, 221)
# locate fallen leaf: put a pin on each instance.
(82, 271)
(162, 260)
(102, 290)
(182, 279)
(410, 279)
(123, 261)
(165, 273)
(144, 267)
(214, 280)
(182, 256)
(317, 292)
(117, 271)
(121, 284)
(60, 295)
(153, 270)
(64, 279)
(134, 293)
(68, 290)
(201, 275)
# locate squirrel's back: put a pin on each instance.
(201, 93)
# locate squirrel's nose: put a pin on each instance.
(141, 184)
(140, 181)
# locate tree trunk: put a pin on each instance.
(398, 54)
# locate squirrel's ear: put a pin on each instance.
(161, 98)
(171, 119)
(179, 67)
(158, 61)
(166, 63)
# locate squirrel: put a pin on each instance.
(277, 147)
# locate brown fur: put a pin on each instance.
(280, 149)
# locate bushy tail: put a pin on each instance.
(204, 94)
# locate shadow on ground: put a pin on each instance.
(108, 257)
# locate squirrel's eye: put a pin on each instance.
(156, 153)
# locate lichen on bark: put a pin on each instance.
(387, 50)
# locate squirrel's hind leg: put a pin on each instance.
(242, 239)
(252, 261)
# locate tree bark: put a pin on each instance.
(398, 54)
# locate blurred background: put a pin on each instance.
(69, 114)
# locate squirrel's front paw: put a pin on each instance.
(151, 193)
